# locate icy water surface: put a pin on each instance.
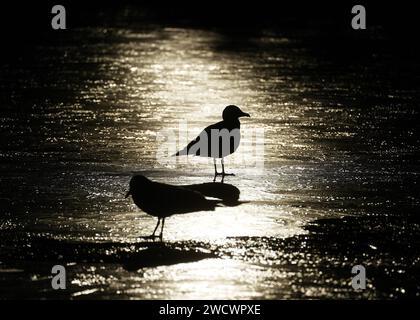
(81, 116)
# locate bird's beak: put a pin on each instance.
(244, 114)
(127, 194)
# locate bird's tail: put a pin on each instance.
(182, 152)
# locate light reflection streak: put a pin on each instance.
(193, 82)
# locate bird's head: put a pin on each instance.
(233, 113)
(137, 183)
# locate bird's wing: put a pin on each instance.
(193, 148)
(176, 199)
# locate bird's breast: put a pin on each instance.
(224, 142)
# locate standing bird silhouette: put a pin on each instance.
(163, 200)
(218, 140)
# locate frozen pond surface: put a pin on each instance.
(80, 117)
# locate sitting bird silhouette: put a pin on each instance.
(163, 200)
(218, 140)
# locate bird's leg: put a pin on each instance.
(223, 166)
(215, 167)
(161, 230)
(215, 170)
(223, 170)
(154, 231)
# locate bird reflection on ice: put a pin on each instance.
(163, 200)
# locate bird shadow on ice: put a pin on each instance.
(159, 253)
(35, 250)
(162, 255)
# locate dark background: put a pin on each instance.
(26, 22)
